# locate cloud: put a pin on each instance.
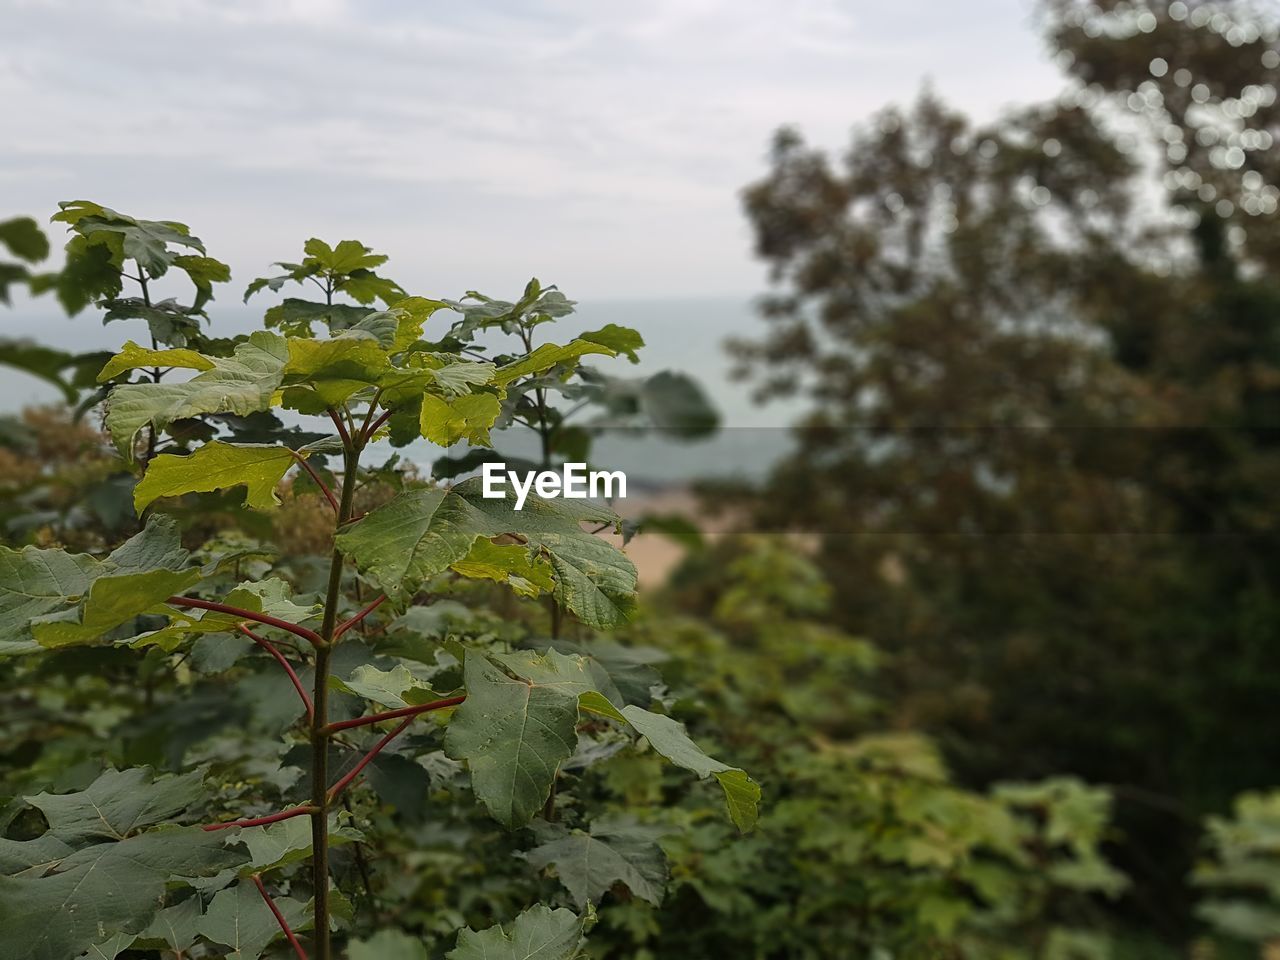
(603, 144)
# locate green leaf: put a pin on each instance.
(40, 361)
(217, 466)
(294, 317)
(176, 925)
(118, 804)
(334, 368)
(547, 356)
(422, 532)
(24, 239)
(133, 356)
(387, 945)
(289, 841)
(58, 598)
(528, 574)
(622, 340)
(239, 918)
(468, 417)
(243, 383)
(514, 734)
(204, 273)
(144, 241)
(396, 687)
(271, 596)
(110, 948)
(539, 933)
(614, 851)
(675, 402)
(101, 890)
(365, 286)
(669, 738)
(347, 256)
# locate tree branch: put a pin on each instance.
(324, 487)
(292, 812)
(239, 613)
(368, 609)
(396, 714)
(288, 668)
(284, 924)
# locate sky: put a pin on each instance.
(599, 146)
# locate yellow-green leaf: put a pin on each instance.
(134, 356)
(217, 466)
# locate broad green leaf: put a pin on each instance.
(539, 933)
(422, 532)
(526, 573)
(413, 314)
(239, 918)
(204, 273)
(468, 417)
(271, 596)
(335, 368)
(101, 890)
(613, 851)
(295, 317)
(675, 402)
(217, 466)
(547, 356)
(118, 804)
(110, 948)
(176, 925)
(289, 841)
(35, 583)
(387, 945)
(395, 688)
(669, 738)
(514, 734)
(622, 340)
(365, 286)
(144, 241)
(348, 255)
(243, 383)
(132, 356)
(56, 598)
(35, 856)
(39, 361)
(24, 239)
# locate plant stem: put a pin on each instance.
(284, 924)
(260, 821)
(268, 646)
(240, 613)
(324, 487)
(336, 790)
(396, 714)
(320, 717)
(368, 609)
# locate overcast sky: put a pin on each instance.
(598, 145)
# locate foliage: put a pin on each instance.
(1040, 355)
(217, 621)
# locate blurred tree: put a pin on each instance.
(1044, 360)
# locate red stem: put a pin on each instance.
(395, 714)
(324, 487)
(261, 821)
(268, 646)
(310, 636)
(368, 609)
(342, 784)
(342, 428)
(373, 427)
(284, 924)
